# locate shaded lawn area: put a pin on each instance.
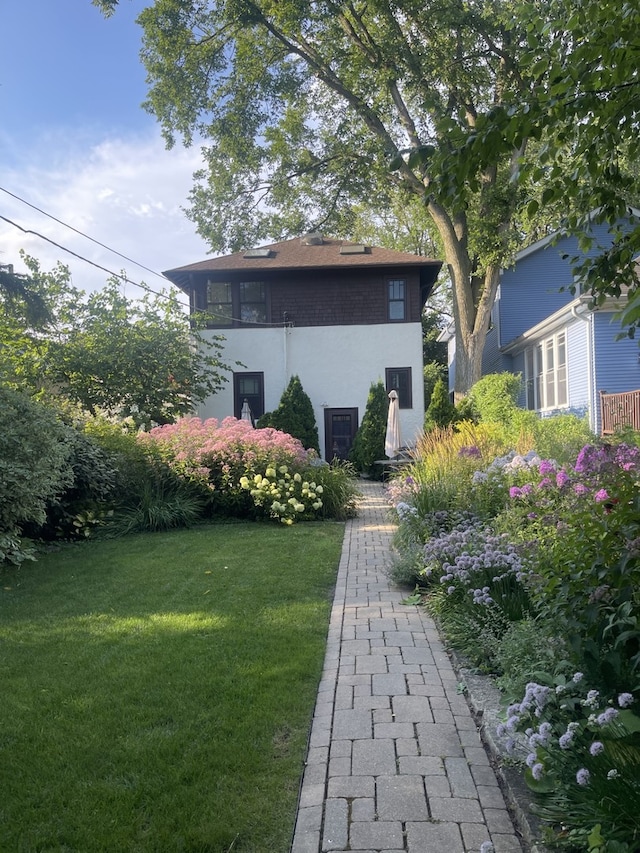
(157, 690)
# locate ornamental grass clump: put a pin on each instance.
(582, 760)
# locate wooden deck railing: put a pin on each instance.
(619, 410)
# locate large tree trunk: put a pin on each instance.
(472, 296)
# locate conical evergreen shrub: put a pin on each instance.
(368, 444)
(441, 411)
(294, 415)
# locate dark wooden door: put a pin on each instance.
(340, 427)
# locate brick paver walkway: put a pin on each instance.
(395, 762)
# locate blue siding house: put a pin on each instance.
(567, 353)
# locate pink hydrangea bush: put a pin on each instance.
(217, 454)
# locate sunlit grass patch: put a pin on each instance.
(158, 690)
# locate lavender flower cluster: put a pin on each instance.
(469, 551)
(541, 700)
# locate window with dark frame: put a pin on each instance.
(220, 302)
(399, 379)
(397, 295)
(249, 387)
(236, 303)
(253, 302)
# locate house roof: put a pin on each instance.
(312, 251)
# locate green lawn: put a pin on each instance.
(156, 691)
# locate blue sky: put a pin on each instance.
(76, 142)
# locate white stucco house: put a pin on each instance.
(339, 315)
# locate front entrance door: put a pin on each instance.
(340, 427)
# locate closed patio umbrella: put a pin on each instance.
(392, 442)
(245, 414)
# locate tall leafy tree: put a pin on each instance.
(582, 107)
(107, 354)
(307, 108)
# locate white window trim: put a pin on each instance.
(540, 350)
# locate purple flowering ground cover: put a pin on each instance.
(551, 548)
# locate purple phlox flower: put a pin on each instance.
(546, 467)
(527, 489)
(562, 478)
(515, 492)
(583, 776)
(601, 495)
(607, 716)
(409, 481)
(532, 515)
(596, 748)
(544, 483)
(537, 771)
(470, 452)
(625, 700)
(580, 489)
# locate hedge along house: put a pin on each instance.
(570, 355)
(339, 315)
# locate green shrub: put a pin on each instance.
(495, 396)
(368, 444)
(35, 453)
(87, 499)
(441, 411)
(294, 416)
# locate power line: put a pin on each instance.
(81, 233)
(120, 275)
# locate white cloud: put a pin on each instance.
(127, 193)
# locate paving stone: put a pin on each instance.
(455, 809)
(393, 730)
(371, 663)
(351, 786)
(388, 685)
(401, 798)
(426, 837)
(407, 746)
(411, 709)
(436, 787)
(460, 778)
(421, 765)
(379, 835)
(373, 757)
(490, 798)
(352, 724)
(335, 835)
(439, 739)
(363, 808)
